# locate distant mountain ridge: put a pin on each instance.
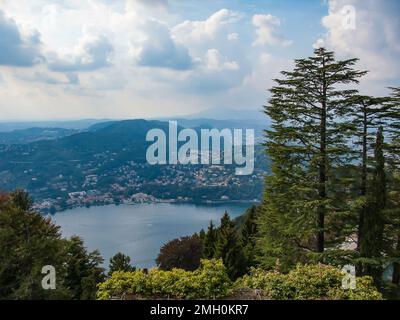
(7, 126)
(228, 114)
(107, 162)
(29, 135)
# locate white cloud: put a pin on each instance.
(92, 53)
(205, 30)
(233, 36)
(107, 58)
(18, 48)
(214, 61)
(158, 49)
(267, 31)
(319, 43)
(372, 34)
(147, 3)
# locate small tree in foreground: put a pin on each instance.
(183, 253)
(120, 262)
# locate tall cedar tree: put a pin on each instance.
(393, 211)
(371, 245)
(306, 142)
(368, 113)
(229, 249)
(210, 241)
(394, 128)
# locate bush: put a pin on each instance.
(208, 282)
(308, 282)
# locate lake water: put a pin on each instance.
(139, 230)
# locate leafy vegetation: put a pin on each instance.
(308, 282)
(210, 281)
(28, 241)
(183, 253)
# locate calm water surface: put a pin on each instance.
(139, 230)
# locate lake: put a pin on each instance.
(139, 230)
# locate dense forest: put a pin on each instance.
(332, 199)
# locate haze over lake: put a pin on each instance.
(139, 230)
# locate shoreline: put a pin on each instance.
(172, 201)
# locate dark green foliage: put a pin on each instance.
(183, 253)
(228, 248)
(28, 241)
(120, 262)
(307, 143)
(210, 241)
(248, 236)
(22, 200)
(392, 212)
(367, 114)
(393, 143)
(84, 270)
(371, 244)
(202, 234)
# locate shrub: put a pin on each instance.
(208, 282)
(308, 282)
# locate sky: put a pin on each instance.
(73, 59)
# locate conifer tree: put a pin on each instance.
(309, 109)
(392, 232)
(202, 234)
(248, 236)
(210, 240)
(368, 114)
(229, 249)
(392, 228)
(393, 129)
(371, 245)
(120, 262)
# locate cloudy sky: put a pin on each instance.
(70, 59)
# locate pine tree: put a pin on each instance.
(307, 144)
(393, 129)
(248, 236)
(392, 235)
(120, 262)
(22, 200)
(392, 230)
(210, 240)
(202, 234)
(84, 270)
(229, 249)
(371, 245)
(368, 114)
